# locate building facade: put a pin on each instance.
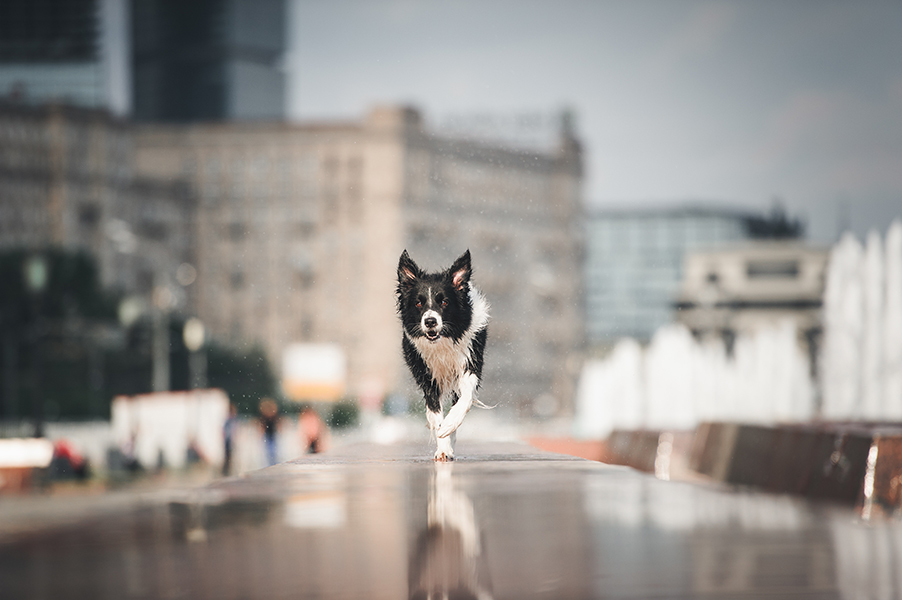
(299, 230)
(745, 287)
(67, 180)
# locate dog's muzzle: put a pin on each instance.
(431, 325)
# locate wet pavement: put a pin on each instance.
(503, 521)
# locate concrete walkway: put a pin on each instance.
(503, 521)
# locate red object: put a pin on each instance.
(589, 449)
(64, 449)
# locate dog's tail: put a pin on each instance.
(479, 404)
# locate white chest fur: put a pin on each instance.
(447, 359)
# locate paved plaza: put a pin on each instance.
(502, 521)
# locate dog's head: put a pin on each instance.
(435, 305)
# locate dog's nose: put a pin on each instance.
(430, 322)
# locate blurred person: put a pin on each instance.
(130, 454)
(68, 463)
(312, 431)
(194, 455)
(228, 436)
(269, 422)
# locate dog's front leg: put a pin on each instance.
(457, 413)
(443, 450)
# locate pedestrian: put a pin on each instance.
(228, 436)
(312, 431)
(269, 423)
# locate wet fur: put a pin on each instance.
(444, 320)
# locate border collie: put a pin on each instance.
(445, 323)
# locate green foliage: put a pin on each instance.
(245, 376)
(345, 413)
(48, 348)
(72, 288)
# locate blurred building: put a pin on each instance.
(634, 260)
(634, 263)
(208, 60)
(67, 180)
(743, 288)
(300, 228)
(72, 51)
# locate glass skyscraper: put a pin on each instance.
(65, 51)
(208, 60)
(634, 263)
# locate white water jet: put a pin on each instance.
(861, 360)
(872, 334)
(843, 324)
(892, 326)
(678, 382)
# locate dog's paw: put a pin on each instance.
(444, 456)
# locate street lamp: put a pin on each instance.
(193, 335)
(162, 302)
(36, 274)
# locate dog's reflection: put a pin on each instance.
(446, 563)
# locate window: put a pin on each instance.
(306, 327)
(330, 190)
(354, 192)
(306, 229)
(237, 231)
(153, 230)
(772, 269)
(88, 215)
(306, 279)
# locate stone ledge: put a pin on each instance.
(852, 463)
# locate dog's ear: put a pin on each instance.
(460, 271)
(408, 271)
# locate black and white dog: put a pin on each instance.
(445, 323)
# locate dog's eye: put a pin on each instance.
(444, 303)
(419, 304)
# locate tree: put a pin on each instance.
(63, 353)
(245, 377)
(51, 356)
(776, 225)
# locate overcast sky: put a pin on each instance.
(737, 102)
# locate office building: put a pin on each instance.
(208, 60)
(65, 51)
(634, 263)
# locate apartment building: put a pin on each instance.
(67, 180)
(299, 229)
